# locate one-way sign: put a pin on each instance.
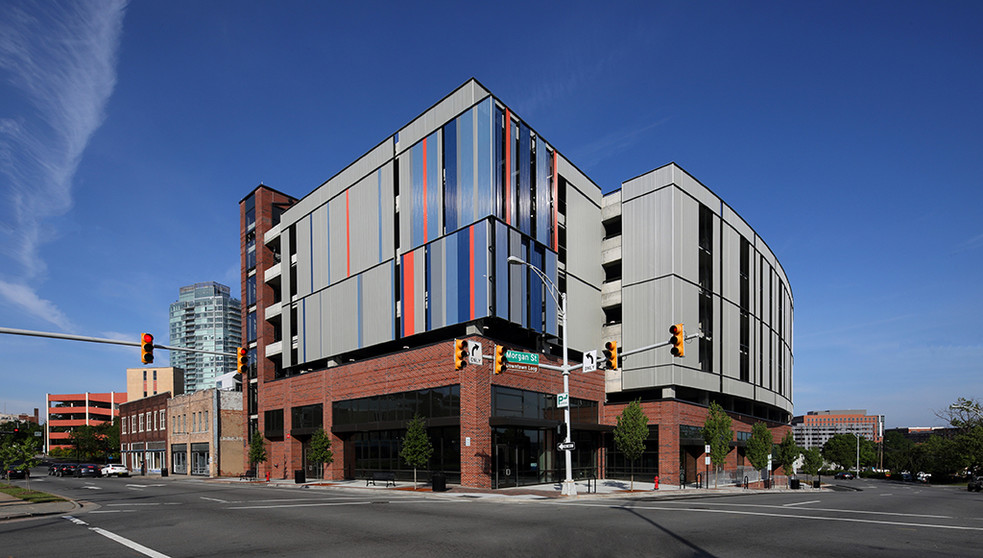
(564, 446)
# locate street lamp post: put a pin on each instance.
(568, 487)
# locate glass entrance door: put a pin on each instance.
(312, 470)
(522, 457)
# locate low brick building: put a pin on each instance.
(205, 436)
(143, 433)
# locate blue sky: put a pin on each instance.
(849, 135)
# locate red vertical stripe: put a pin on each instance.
(348, 238)
(425, 239)
(471, 266)
(508, 166)
(556, 205)
(408, 295)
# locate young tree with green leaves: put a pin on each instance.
(257, 449)
(417, 448)
(320, 451)
(20, 453)
(812, 461)
(759, 445)
(718, 434)
(630, 434)
(786, 452)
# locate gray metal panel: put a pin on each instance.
(319, 247)
(364, 218)
(457, 102)
(517, 279)
(310, 336)
(586, 316)
(584, 234)
(377, 320)
(693, 188)
(405, 204)
(646, 241)
(303, 229)
(339, 239)
(686, 240)
(438, 294)
(731, 328)
(738, 388)
(420, 290)
(342, 300)
(738, 223)
(387, 217)
(580, 182)
(647, 183)
(365, 164)
(730, 272)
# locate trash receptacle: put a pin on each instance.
(815, 484)
(163, 471)
(794, 484)
(439, 482)
(299, 476)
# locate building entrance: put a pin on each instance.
(312, 470)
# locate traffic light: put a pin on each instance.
(611, 355)
(501, 362)
(146, 348)
(243, 358)
(460, 354)
(676, 330)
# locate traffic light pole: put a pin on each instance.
(88, 339)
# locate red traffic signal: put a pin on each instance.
(677, 339)
(146, 348)
(243, 360)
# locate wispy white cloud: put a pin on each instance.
(60, 59)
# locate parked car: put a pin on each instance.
(115, 469)
(975, 483)
(16, 473)
(65, 470)
(87, 470)
(844, 475)
(53, 468)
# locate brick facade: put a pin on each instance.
(143, 433)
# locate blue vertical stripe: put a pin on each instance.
(544, 191)
(501, 270)
(551, 312)
(481, 255)
(452, 279)
(535, 293)
(485, 193)
(467, 196)
(523, 186)
(416, 193)
(452, 198)
(433, 186)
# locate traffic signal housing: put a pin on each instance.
(460, 354)
(677, 339)
(501, 362)
(146, 348)
(611, 355)
(243, 361)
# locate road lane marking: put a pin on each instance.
(298, 505)
(112, 511)
(801, 503)
(136, 504)
(129, 544)
(220, 501)
(787, 516)
(833, 510)
(121, 540)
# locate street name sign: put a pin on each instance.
(519, 360)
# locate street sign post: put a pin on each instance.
(590, 361)
(562, 400)
(474, 352)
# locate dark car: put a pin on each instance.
(844, 475)
(88, 470)
(975, 483)
(53, 468)
(16, 473)
(65, 470)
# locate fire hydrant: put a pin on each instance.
(267, 476)
(656, 483)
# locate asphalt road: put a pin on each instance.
(175, 517)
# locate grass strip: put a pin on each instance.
(32, 496)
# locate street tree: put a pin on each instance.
(812, 461)
(630, 434)
(759, 445)
(417, 447)
(20, 453)
(320, 451)
(718, 434)
(943, 457)
(971, 445)
(86, 442)
(964, 414)
(257, 449)
(786, 452)
(899, 452)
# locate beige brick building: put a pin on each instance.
(205, 436)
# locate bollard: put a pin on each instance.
(656, 482)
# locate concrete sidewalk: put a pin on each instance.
(15, 508)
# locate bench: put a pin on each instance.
(248, 474)
(388, 477)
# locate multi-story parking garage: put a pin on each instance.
(355, 292)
